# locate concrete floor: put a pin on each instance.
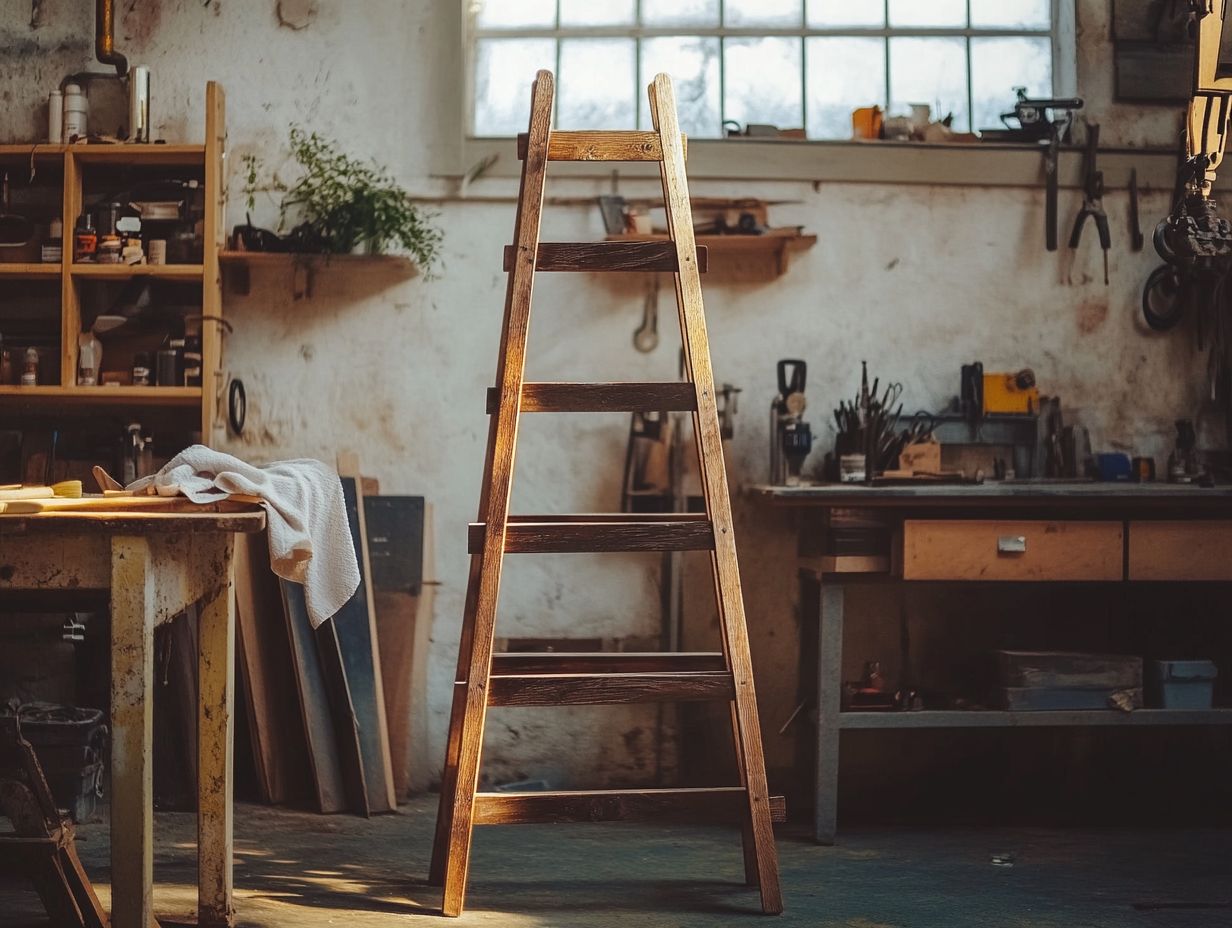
(301, 870)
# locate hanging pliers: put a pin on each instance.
(1092, 199)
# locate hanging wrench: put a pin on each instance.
(646, 336)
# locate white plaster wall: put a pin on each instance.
(916, 280)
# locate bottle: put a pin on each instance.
(141, 369)
(177, 345)
(192, 361)
(55, 117)
(86, 239)
(76, 113)
(53, 249)
(30, 372)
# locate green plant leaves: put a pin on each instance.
(347, 203)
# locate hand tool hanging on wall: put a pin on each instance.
(1045, 120)
(1092, 199)
(1136, 238)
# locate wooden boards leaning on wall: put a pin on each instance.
(334, 713)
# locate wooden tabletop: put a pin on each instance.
(215, 517)
(1001, 494)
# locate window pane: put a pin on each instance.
(504, 70)
(932, 71)
(507, 14)
(680, 12)
(930, 13)
(842, 74)
(693, 63)
(597, 84)
(829, 14)
(761, 81)
(1011, 14)
(761, 13)
(1000, 65)
(596, 12)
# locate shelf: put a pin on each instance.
(39, 150)
(124, 154)
(129, 396)
(30, 270)
(170, 155)
(303, 267)
(743, 258)
(127, 271)
(977, 718)
(286, 259)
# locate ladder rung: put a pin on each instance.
(514, 663)
(659, 255)
(607, 689)
(578, 534)
(602, 146)
(669, 396)
(712, 804)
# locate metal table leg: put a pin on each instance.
(829, 702)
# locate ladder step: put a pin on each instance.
(595, 533)
(703, 806)
(602, 146)
(607, 689)
(516, 663)
(658, 255)
(668, 396)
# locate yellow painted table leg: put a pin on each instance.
(216, 669)
(132, 724)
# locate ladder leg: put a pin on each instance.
(748, 842)
(718, 502)
(480, 620)
(449, 775)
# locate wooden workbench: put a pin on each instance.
(998, 532)
(152, 566)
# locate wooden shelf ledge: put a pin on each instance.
(128, 271)
(303, 267)
(30, 270)
(743, 258)
(127, 396)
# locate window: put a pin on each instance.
(788, 62)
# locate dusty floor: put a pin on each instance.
(304, 871)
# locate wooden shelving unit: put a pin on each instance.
(74, 163)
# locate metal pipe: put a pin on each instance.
(104, 36)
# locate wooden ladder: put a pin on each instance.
(484, 679)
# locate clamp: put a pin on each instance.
(1092, 199)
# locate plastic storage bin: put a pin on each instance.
(1182, 684)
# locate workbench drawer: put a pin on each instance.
(964, 549)
(1180, 550)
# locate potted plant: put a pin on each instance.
(348, 205)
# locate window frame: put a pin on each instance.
(637, 32)
(458, 153)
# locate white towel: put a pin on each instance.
(309, 535)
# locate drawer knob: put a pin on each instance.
(1012, 544)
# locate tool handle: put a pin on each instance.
(791, 373)
(1101, 225)
(1075, 235)
(1050, 194)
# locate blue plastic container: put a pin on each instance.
(1183, 684)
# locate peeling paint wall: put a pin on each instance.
(916, 280)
